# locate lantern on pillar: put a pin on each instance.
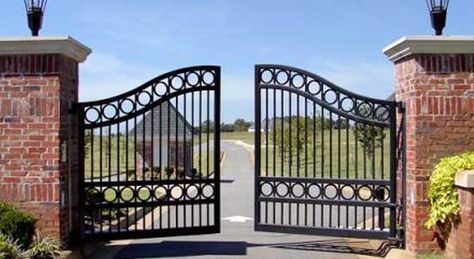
(438, 11)
(34, 11)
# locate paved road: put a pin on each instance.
(237, 239)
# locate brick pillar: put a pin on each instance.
(461, 239)
(38, 81)
(434, 77)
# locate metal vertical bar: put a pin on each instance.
(200, 153)
(274, 144)
(217, 149)
(135, 160)
(331, 125)
(100, 174)
(306, 156)
(168, 158)
(118, 173)
(257, 146)
(393, 168)
(143, 168)
(176, 156)
(356, 165)
(314, 158)
(282, 148)
(126, 171)
(322, 164)
(185, 154)
(339, 164)
(347, 166)
(79, 111)
(298, 144)
(152, 169)
(192, 152)
(266, 147)
(160, 150)
(290, 164)
(208, 151)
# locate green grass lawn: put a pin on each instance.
(246, 137)
(114, 157)
(340, 158)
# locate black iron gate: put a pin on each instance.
(326, 160)
(150, 158)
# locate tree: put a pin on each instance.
(207, 125)
(370, 137)
(227, 127)
(297, 132)
(241, 125)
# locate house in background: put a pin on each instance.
(164, 138)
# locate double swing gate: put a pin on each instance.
(326, 159)
(150, 158)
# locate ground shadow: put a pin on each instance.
(362, 247)
(226, 248)
(182, 248)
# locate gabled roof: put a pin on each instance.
(160, 116)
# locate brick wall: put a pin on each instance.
(461, 239)
(439, 94)
(35, 91)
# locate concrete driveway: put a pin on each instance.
(237, 238)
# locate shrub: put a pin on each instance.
(44, 248)
(442, 194)
(9, 248)
(17, 224)
(181, 173)
(169, 171)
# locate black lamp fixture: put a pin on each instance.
(438, 11)
(34, 11)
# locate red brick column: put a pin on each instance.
(38, 82)
(434, 77)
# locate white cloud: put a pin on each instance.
(104, 75)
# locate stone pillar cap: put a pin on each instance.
(64, 45)
(409, 45)
(465, 179)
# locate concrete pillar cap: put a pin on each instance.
(63, 45)
(465, 179)
(410, 45)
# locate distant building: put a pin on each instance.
(165, 144)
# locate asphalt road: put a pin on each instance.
(237, 238)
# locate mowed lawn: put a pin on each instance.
(331, 155)
(110, 157)
(335, 154)
(246, 137)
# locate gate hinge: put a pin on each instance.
(401, 107)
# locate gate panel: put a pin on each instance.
(325, 157)
(150, 158)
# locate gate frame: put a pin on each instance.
(397, 170)
(80, 109)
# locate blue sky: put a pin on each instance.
(135, 40)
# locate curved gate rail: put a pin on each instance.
(326, 160)
(150, 158)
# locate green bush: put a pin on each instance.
(9, 248)
(44, 248)
(17, 224)
(442, 194)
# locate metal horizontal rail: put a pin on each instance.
(308, 230)
(324, 81)
(140, 204)
(354, 203)
(324, 180)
